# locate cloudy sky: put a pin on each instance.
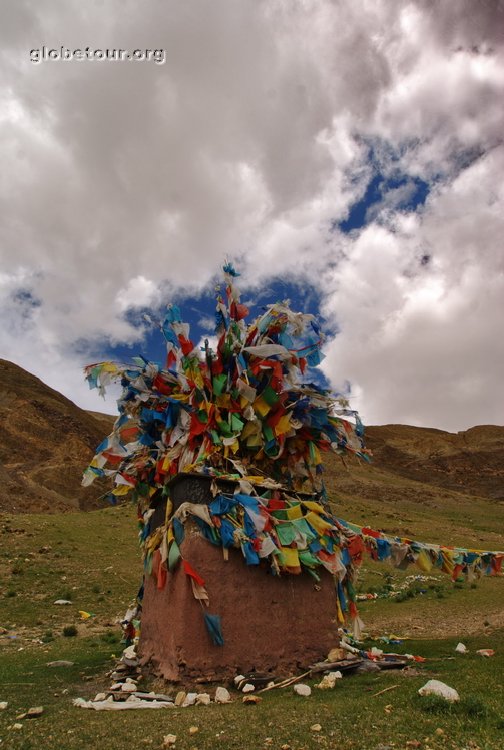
(347, 154)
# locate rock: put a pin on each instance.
(129, 656)
(62, 601)
(193, 730)
(17, 726)
(128, 687)
(190, 700)
(328, 681)
(485, 652)
(248, 688)
(35, 712)
(435, 687)
(222, 695)
(100, 697)
(251, 699)
(337, 654)
(180, 698)
(303, 690)
(203, 699)
(60, 663)
(3, 705)
(169, 740)
(366, 667)
(238, 679)
(460, 648)
(316, 728)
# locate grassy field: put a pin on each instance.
(93, 561)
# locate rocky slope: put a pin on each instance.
(46, 441)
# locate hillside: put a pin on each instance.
(45, 442)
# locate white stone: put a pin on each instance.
(328, 681)
(189, 700)
(203, 699)
(169, 740)
(222, 695)
(304, 690)
(248, 688)
(128, 687)
(238, 679)
(3, 705)
(435, 687)
(460, 648)
(100, 697)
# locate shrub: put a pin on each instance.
(69, 631)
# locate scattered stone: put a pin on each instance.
(193, 730)
(169, 740)
(328, 681)
(239, 678)
(45, 549)
(190, 700)
(460, 648)
(222, 695)
(337, 654)
(35, 712)
(413, 743)
(203, 699)
(439, 732)
(303, 690)
(436, 687)
(100, 697)
(129, 657)
(251, 699)
(3, 705)
(62, 601)
(17, 726)
(367, 666)
(128, 687)
(485, 652)
(180, 698)
(248, 688)
(316, 728)
(133, 698)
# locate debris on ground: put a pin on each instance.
(303, 690)
(436, 687)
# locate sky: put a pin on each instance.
(345, 154)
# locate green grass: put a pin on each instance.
(94, 559)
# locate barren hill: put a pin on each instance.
(45, 443)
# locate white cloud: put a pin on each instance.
(123, 181)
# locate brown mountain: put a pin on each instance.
(471, 461)
(45, 443)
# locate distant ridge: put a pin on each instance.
(46, 441)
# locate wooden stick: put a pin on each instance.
(385, 690)
(285, 683)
